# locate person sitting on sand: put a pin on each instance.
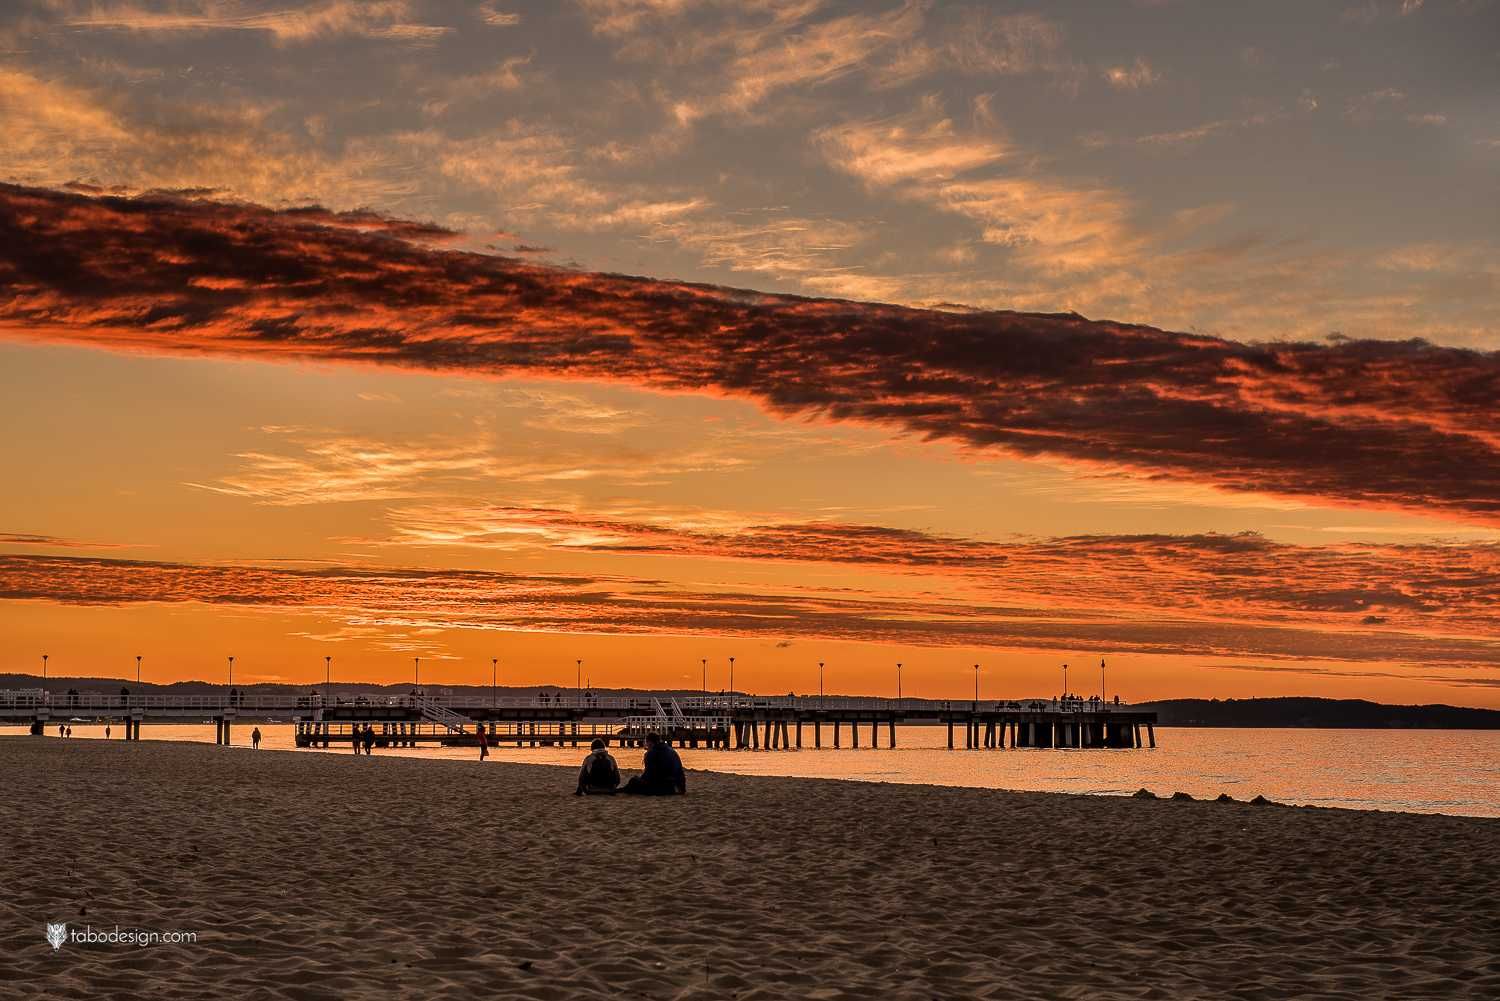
(663, 774)
(255, 739)
(599, 776)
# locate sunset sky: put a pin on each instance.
(646, 331)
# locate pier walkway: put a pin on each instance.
(726, 721)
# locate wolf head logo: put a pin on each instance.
(57, 934)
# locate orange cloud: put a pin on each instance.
(1219, 578)
(468, 599)
(1403, 425)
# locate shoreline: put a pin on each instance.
(311, 877)
(1454, 775)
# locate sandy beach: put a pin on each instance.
(315, 876)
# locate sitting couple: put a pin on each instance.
(663, 774)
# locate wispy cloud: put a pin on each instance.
(389, 19)
(1371, 423)
(1219, 578)
(1135, 76)
(406, 599)
(924, 157)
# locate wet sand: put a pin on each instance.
(315, 876)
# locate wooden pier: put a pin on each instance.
(727, 722)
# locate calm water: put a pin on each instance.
(1423, 771)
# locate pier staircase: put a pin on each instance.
(441, 715)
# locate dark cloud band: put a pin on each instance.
(1403, 425)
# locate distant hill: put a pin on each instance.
(1325, 713)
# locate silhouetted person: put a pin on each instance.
(355, 737)
(599, 776)
(662, 775)
(62, 730)
(106, 731)
(484, 743)
(255, 739)
(70, 731)
(369, 740)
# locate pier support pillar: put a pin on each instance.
(950, 733)
(799, 735)
(854, 734)
(817, 734)
(1151, 732)
(874, 733)
(892, 732)
(836, 734)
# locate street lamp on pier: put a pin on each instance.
(820, 680)
(898, 679)
(494, 681)
(137, 669)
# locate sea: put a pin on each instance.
(1417, 771)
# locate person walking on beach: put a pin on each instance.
(355, 737)
(600, 775)
(255, 739)
(484, 743)
(106, 731)
(369, 740)
(662, 774)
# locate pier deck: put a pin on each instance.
(716, 721)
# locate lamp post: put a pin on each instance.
(494, 681)
(976, 686)
(705, 675)
(731, 678)
(1065, 681)
(328, 680)
(898, 679)
(44, 667)
(578, 685)
(820, 681)
(137, 669)
(1101, 680)
(231, 681)
(416, 673)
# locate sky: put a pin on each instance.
(655, 332)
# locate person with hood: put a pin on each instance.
(599, 776)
